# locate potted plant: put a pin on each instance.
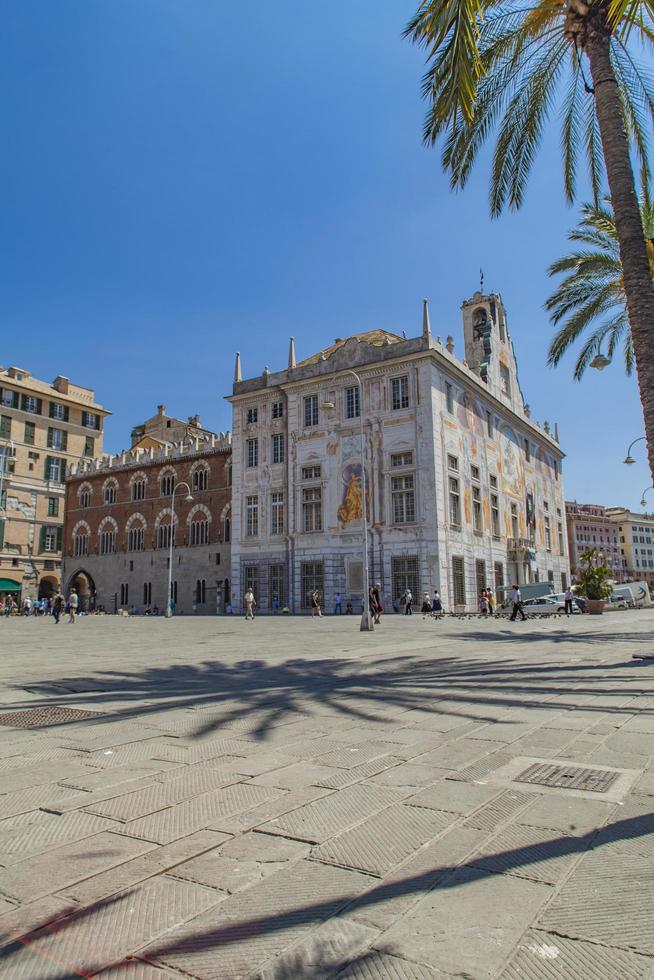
(593, 582)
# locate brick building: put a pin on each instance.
(119, 522)
(45, 428)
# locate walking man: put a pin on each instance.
(338, 611)
(408, 602)
(57, 606)
(73, 603)
(315, 604)
(517, 604)
(569, 599)
(250, 603)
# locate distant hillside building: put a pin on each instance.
(119, 524)
(45, 428)
(465, 490)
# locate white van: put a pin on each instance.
(639, 591)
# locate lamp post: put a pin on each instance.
(642, 499)
(629, 460)
(367, 624)
(169, 607)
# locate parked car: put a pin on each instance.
(550, 604)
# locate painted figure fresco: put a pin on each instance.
(512, 478)
(350, 508)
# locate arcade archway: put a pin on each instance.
(84, 585)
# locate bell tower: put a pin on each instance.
(489, 349)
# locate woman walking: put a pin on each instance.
(315, 604)
(436, 605)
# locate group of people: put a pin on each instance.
(52, 606)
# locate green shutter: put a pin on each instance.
(46, 472)
(2, 534)
(49, 438)
(59, 532)
(66, 413)
(62, 471)
(64, 445)
(42, 539)
(39, 405)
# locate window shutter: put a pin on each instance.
(23, 402)
(66, 413)
(59, 533)
(2, 534)
(64, 444)
(42, 539)
(51, 411)
(47, 467)
(39, 405)
(49, 438)
(62, 471)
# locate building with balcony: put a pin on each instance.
(636, 542)
(45, 429)
(464, 489)
(592, 526)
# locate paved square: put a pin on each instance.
(292, 799)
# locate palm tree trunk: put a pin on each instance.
(638, 285)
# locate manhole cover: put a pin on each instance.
(38, 717)
(568, 777)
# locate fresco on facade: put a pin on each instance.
(512, 477)
(350, 508)
(469, 413)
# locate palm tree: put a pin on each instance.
(594, 288)
(504, 66)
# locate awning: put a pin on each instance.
(8, 585)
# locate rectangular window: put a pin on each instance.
(8, 398)
(53, 507)
(277, 512)
(495, 515)
(560, 535)
(402, 459)
(252, 452)
(57, 439)
(90, 420)
(312, 509)
(452, 463)
(404, 575)
(474, 472)
(55, 469)
(311, 575)
(352, 406)
(278, 447)
(515, 527)
(527, 451)
(30, 404)
(311, 472)
(477, 516)
(455, 502)
(505, 380)
(548, 534)
(135, 539)
(310, 411)
(399, 393)
(5, 427)
(251, 579)
(49, 539)
(480, 575)
(252, 516)
(449, 398)
(89, 446)
(278, 410)
(499, 578)
(493, 481)
(107, 542)
(30, 430)
(251, 415)
(489, 424)
(276, 586)
(403, 499)
(59, 412)
(458, 581)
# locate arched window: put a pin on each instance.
(81, 533)
(227, 536)
(138, 484)
(110, 491)
(107, 536)
(164, 530)
(167, 482)
(84, 495)
(200, 476)
(135, 528)
(200, 532)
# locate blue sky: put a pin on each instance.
(184, 178)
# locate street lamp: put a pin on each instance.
(629, 460)
(189, 498)
(642, 500)
(367, 624)
(599, 362)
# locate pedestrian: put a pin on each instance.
(315, 604)
(275, 605)
(425, 609)
(27, 606)
(57, 605)
(517, 605)
(569, 596)
(483, 603)
(73, 603)
(408, 602)
(9, 605)
(349, 611)
(491, 602)
(436, 605)
(338, 610)
(379, 605)
(250, 603)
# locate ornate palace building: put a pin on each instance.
(464, 489)
(119, 523)
(45, 429)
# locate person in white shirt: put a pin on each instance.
(517, 604)
(569, 599)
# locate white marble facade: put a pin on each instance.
(464, 489)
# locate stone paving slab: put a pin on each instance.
(454, 797)
(176, 788)
(339, 778)
(259, 816)
(243, 934)
(381, 966)
(43, 835)
(316, 822)
(322, 953)
(32, 916)
(104, 779)
(544, 956)
(135, 970)
(242, 861)
(84, 942)
(530, 852)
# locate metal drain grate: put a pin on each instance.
(568, 777)
(41, 717)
